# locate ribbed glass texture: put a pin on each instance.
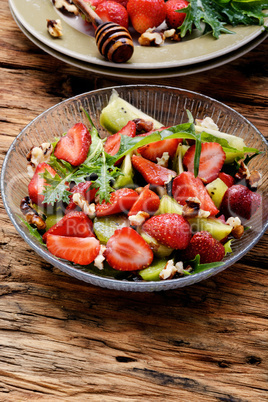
(165, 104)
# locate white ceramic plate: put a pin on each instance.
(32, 14)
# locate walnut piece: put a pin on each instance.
(163, 161)
(54, 28)
(31, 215)
(38, 155)
(172, 34)
(66, 6)
(98, 262)
(207, 122)
(139, 218)
(143, 126)
(243, 172)
(170, 270)
(254, 179)
(192, 209)
(238, 231)
(88, 209)
(151, 38)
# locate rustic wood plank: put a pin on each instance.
(62, 339)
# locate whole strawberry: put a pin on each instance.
(172, 230)
(146, 14)
(175, 19)
(240, 201)
(113, 11)
(202, 243)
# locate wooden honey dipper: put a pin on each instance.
(113, 41)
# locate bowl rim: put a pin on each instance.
(113, 283)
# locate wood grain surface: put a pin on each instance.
(64, 340)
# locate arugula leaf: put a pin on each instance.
(33, 231)
(216, 14)
(57, 188)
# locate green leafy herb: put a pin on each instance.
(216, 14)
(33, 231)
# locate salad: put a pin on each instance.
(148, 202)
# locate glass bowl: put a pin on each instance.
(165, 104)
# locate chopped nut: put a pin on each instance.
(143, 125)
(254, 179)
(54, 28)
(233, 221)
(98, 262)
(88, 209)
(243, 172)
(151, 38)
(38, 155)
(207, 122)
(170, 270)
(163, 161)
(31, 215)
(172, 34)
(238, 231)
(139, 218)
(192, 209)
(66, 6)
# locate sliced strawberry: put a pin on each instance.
(156, 149)
(186, 185)
(75, 224)
(209, 249)
(152, 173)
(127, 251)
(74, 146)
(80, 250)
(227, 179)
(148, 202)
(83, 189)
(121, 201)
(112, 143)
(211, 160)
(172, 230)
(37, 183)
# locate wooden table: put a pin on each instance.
(62, 339)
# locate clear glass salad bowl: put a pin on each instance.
(167, 105)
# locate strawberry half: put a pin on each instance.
(121, 201)
(186, 185)
(152, 173)
(112, 143)
(80, 250)
(148, 202)
(37, 184)
(83, 189)
(75, 224)
(156, 149)
(172, 230)
(127, 251)
(211, 160)
(209, 249)
(74, 146)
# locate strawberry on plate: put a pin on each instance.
(146, 14)
(113, 11)
(202, 243)
(152, 173)
(83, 189)
(174, 19)
(127, 251)
(80, 250)
(240, 201)
(186, 185)
(172, 230)
(74, 146)
(74, 224)
(112, 143)
(211, 160)
(121, 201)
(37, 183)
(148, 202)
(156, 149)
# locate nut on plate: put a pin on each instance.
(31, 215)
(151, 38)
(65, 6)
(54, 28)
